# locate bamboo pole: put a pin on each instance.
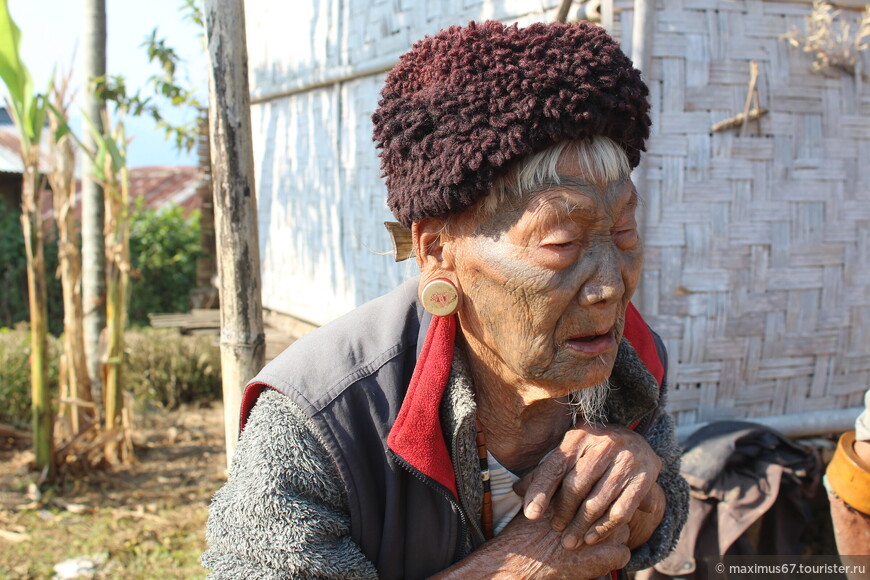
(242, 338)
(564, 8)
(643, 30)
(805, 424)
(206, 294)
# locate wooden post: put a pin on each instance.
(642, 33)
(235, 208)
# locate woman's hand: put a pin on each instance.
(528, 549)
(594, 482)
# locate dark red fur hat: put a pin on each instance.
(462, 104)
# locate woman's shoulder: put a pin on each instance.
(327, 360)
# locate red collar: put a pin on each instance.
(416, 436)
(641, 338)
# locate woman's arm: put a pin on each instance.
(283, 511)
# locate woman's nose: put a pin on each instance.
(605, 286)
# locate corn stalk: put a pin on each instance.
(110, 167)
(76, 401)
(28, 112)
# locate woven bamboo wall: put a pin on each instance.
(758, 247)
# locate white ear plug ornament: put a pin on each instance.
(440, 297)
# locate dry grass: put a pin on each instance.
(834, 39)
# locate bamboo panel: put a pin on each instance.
(754, 149)
(817, 255)
(664, 236)
(687, 22)
(726, 349)
(707, 96)
(760, 239)
(854, 127)
(670, 145)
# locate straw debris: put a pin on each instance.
(834, 40)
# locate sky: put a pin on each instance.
(51, 37)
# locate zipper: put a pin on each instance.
(475, 528)
(443, 491)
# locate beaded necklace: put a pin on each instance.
(486, 512)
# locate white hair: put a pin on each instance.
(588, 405)
(600, 159)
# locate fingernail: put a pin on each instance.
(533, 510)
(569, 542)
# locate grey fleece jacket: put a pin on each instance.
(284, 511)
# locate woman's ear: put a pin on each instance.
(429, 238)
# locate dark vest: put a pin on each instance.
(351, 377)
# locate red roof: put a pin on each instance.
(159, 186)
(162, 185)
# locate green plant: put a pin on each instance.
(13, 274)
(164, 246)
(15, 374)
(13, 268)
(169, 369)
(161, 88)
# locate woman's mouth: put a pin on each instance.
(592, 344)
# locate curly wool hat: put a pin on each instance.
(460, 105)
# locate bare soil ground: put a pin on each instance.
(145, 520)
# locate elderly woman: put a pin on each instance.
(501, 415)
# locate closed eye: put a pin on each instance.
(625, 232)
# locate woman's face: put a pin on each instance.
(545, 284)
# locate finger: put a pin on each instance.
(642, 526)
(648, 502)
(544, 482)
(652, 499)
(614, 551)
(621, 534)
(604, 493)
(619, 512)
(576, 486)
